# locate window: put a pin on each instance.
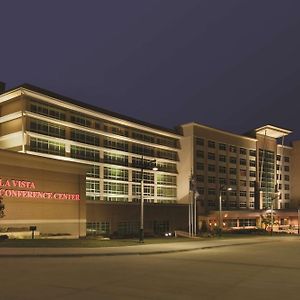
(115, 144)
(286, 186)
(116, 188)
(148, 190)
(243, 151)
(92, 186)
(252, 152)
(97, 228)
(222, 180)
(200, 166)
(222, 158)
(211, 156)
(200, 178)
(81, 120)
(211, 144)
(200, 153)
(211, 179)
(84, 153)
(115, 173)
(286, 159)
(243, 162)
(232, 182)
(211, 168)
(247, 222)
(252, 174)
(166, 179)
(286, 196)
(243, 193)
(252, 194)
(232, 149)
(47, 110)
(148, 177)
(232, 204)
(243, 172)
(286, 177)
(200, 190)
(232, 160)
(93, 172)
(286, 168)
(164, 154)
(199, 141)
(211, 192)
(252, 183)
(45, 146)
(243, 183)
(278, 157)
(232, 193)
(47, 128)
(252, 163)
(143, 137)
(222, 170)
(116, 159)
(222, 147)
(142, 149)
(85, 137)
(243, 205)
(286, 205)
(163, 191)
(232, 171)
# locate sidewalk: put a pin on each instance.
(143, 249)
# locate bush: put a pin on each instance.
(3, 237)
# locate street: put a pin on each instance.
(266, 270)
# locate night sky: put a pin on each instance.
(233, 65)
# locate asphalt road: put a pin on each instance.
(259, 271)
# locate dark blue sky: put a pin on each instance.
(233, 65)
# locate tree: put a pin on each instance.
(266, 219)
(2, 207)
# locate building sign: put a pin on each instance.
(14, 188)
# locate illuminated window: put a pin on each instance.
(115, 188)
(166, 179)
(47, 128)
(115, 173)
(93, 172)
(84, 153)
(45, 146)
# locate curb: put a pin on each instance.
(40, 255)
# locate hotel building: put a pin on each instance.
(113, 148)
(196, 165)
(251, 173)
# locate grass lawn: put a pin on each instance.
(87, 243)
(93, 243)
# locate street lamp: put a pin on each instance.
(222, 188)
(144, 164)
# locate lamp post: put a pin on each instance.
(144, 164)
(222, 188)
(298, 220)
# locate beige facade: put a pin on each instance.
(258, 168)
(41, 192)
(114, 149)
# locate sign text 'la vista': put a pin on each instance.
(15, 188)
